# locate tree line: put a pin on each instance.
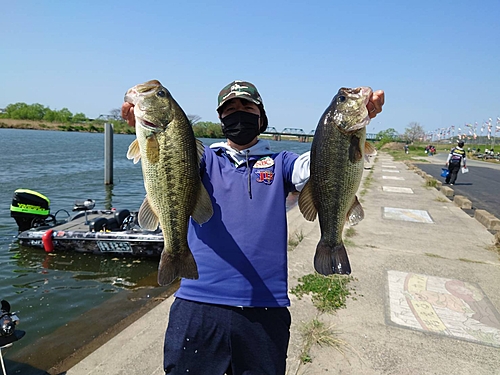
(202, 129)
(80, 122)
(38, 112)
(413, 133)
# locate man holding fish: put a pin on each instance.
(230, 314)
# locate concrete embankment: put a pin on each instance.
(426, 283)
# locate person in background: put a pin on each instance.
(432, 150)
(455, 157)
(234, 318)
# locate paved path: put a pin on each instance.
(427, 285)
(481, 185)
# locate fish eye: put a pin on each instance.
(341, 98)
(161, 94)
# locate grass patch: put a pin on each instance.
(329, 293)
(367, 182)
(316, 333)
(495, 248)
(431, 183)
(294, 240)
(349, 243)
(350, 232)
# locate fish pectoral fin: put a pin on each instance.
(306, 202)
(355, 213)
(134, 152)
(355, 153)
(152, 149)
(203, 209)
(146, 217)
(200, 148)
(369, 150)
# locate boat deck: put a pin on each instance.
(79, 223)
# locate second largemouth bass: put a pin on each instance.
(337, 153)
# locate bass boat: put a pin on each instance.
(86, 230)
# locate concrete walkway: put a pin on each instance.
(427, 285)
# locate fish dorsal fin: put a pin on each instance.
(152, 149)
(200, 148)
(306, 202)
(146, 217)
(203, 210)
(355, 213)
(134, 152)
(355, 153)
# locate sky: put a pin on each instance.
(437, 61)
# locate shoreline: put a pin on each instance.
(97, 128)
(77, 339)
(94, 127)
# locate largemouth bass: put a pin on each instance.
(170, 158)
(337, 153)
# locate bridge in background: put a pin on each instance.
(300, 134)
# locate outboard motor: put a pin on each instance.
(28, 207)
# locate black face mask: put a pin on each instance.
(241, 127)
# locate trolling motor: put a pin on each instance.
(8, 323)
(85, 206)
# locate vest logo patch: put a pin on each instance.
(267, 177)
(264, 162)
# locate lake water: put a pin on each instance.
(52, 292)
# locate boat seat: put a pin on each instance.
(121, 215)
(112, 224)
(98, 224)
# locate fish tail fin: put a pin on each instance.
(331, 259)
(172, 266)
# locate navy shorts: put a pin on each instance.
(211, 339)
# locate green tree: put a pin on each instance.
(49, 115)
(388, 135)
(64, 115)
(16, 111)
(79, 117)
(35, 111)
(206, 129)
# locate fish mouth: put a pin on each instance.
(148, 125)
(365, 93)
(134, 96)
